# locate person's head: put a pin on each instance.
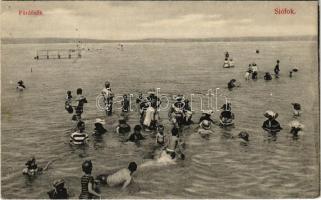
(132, 167)
(277, 61)
(79, 91)
(244, 135)
(250, 65)
(107, 84)
(68, 92)
(33, 159)
(87, 166)
(59, 184)
(125, 96)
(160, 128)
(206, 124)
(137, 129)
(174, 131)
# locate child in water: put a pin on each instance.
(99, 128)
(136, 136)
(32, 168)
(21, 86)
(59, 191)
(122, 127)
(68, 101)
(88, 185)
(160, 137)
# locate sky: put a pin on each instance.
(119, 20)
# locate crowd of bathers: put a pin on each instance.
(170, 145)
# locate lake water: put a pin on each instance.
(34, 121)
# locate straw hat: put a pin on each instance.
(99, 121)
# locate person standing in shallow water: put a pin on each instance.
(87, 182)
(81, 101)
(108, 98)
(277, 69)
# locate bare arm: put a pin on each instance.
(91, 191)
(127, 183)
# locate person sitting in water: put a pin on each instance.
(254, 71)
(296, 109)
(271, 125)
(79, 137)
(121, 177)
(99, 128)
(296, 128)
(81, 101)
(88, 185)
(206, 115)
(32, 168)
(122, 127)
(226, 116)
(205, 129)
(232, 84)
(125, 104)
(267, 76)
(277, 69)
(231, 63)
(160, 137)
(68, 102)
(136, 136)
(21, 85)
(244, 136)
(226, 63)
(59, 191)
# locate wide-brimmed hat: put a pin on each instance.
(99, 121)
(208, 112)
(270, 114)
(58, 182)
(206, 124)
(179, 97)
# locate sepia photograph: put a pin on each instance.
(160, 100)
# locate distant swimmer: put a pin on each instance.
(81, 101)
(99, 127)
(21, 86)
(88, 185)
(226, 63)
(137, 135)
(267, 76)
(296, 109)
(122, 127)
(59, 191)
(296, 129)
(257, 51)
(79, 137)
(277, 69)
(271, 125)
(125, 104)
(122, 177)
(206, 115)
(244, 136)
(32, 168)
(231, 63)
(108, 98)
(254, 71)
(226, 117)
(232, 84)
(205, 129)
(160, 136)
(68, 102)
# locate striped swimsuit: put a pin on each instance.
(85, 180)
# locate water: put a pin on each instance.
(34, 122)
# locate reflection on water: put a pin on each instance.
(35, 122)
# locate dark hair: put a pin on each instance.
(132, 166)
(137, 128)
(87, 166)
(68, 92)
(79, 91)
(174, 131)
